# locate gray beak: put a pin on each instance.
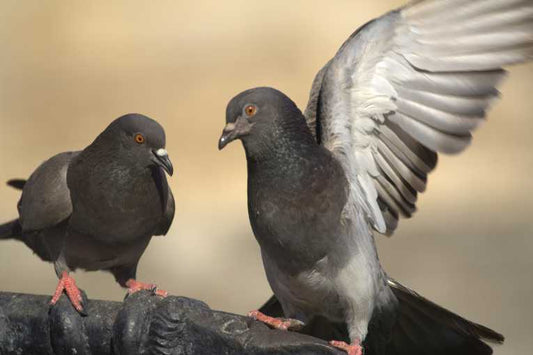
(228, 134)
(162, 160)
(234, 130)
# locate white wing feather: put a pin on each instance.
(412, 83)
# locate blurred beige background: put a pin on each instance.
(67, 68)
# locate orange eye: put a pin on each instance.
(139, 138)
(250, 110)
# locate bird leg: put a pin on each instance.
(67, 284)
(351, 349)
(135, 286)
(277, 323)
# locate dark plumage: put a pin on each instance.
(287, 168)
(443, 331)
(318, 253)
(98, 208)
(17, 183)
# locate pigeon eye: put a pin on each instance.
(250, 110)
(139, 138)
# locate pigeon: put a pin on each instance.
(404, 87)
(98, 208)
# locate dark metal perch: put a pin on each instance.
(142, 324)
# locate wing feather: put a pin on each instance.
(45, 200)
(413, 83)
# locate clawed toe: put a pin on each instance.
(277, 323)
(351, 349)
(136, 286)
(68, 284)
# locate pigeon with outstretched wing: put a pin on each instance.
(404, 87)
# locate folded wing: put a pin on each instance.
(45, 200)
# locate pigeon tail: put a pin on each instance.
(10, 230)
(423, 327)
(16, 183)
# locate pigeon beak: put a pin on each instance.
(234, 130)
(228, 134)
(162, 160)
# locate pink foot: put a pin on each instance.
(135, 286)
(277, 323)
(351, 349)
(67, 284)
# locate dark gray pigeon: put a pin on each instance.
(412, 83)
(98, 208)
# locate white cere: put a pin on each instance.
(161, 152)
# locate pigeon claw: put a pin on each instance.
(277, 323)
(351, 349)
(136, 286)
(68, 284)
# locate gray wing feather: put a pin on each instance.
(45, 200)
(166, 221)
(410, 84)
(311, 110)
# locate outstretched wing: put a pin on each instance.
(412, 83)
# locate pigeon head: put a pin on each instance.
(264, 119)
(138, 137)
